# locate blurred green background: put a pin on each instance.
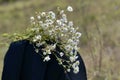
(98, 20)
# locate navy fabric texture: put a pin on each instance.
(22, 63)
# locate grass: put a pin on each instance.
(2, 51)
(99, 24)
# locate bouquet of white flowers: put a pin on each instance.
(52, 30)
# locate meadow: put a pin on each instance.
(98, 21)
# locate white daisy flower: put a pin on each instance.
(69, 8)
(59, 22)
(78, 34)
(47, 58)
(48, 51)
(44, 53)
(76, 70)
(43, 14)
(61, 54)
(70, 23)
(39, 17)
(52, 14)
(62, 11)
(72, 58)
(32, 18)
(38, 37)
(68, 70)
(38, 44)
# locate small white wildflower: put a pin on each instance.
(72, 59)
(63, 20)
(43, 14)
(34, 29)
(47, 58)
(76, 70)
(70, 41)
(52, 14)
(75, 52)
(36, 50)
(61, 54)
(64, 29)
(74, 65)
(70, 23)
(50, 32)
(32, 18)
(38, 44)
(44, 53)
(62, 11)
(34, 40)
(75, 47)
(72, 30)
(39, 17)
(53, 47)
(48, 51)
(68, 70)
(38, 37)
(69, 8)
(78, 34)
(68, 48)
(40, 22)
(45, 25)
(64, 16)
(59, 22)
(62, 35)
(77, 62)
(77, 40)
(74, 44)
(71, 53)
(49, 21)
